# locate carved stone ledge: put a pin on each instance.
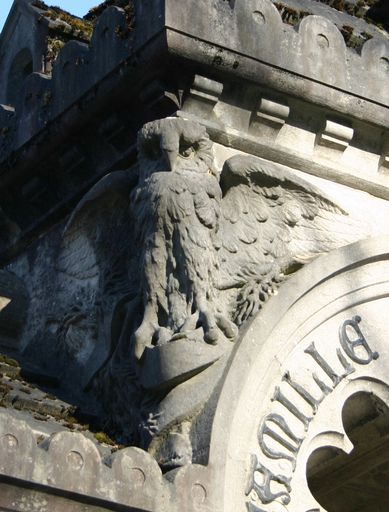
(309, 161)
(203, 95)
(143, 72)
(314, 47)
(226, 49)
(269, 115)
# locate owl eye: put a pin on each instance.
(187, 151)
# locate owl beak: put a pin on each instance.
(171, 158)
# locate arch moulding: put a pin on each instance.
(322, 340)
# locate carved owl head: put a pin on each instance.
(175, 145)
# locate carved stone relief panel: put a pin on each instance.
(139, 298)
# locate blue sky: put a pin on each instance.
(77, 7)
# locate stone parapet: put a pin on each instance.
(72, 462)
(314, 50)
(70, 466)
(245, 40)
(77, 69)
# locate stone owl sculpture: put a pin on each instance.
(177, 204)
(201, 234)
(185, 252)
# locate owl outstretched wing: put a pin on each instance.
(96, 227)
(97, 260)
(273, 221)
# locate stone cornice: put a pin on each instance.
(315, 49)
(247, 41)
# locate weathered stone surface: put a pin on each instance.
(70, 462)
(286, 371)
(210, 261)
(108, 296)
(140, 481)
(75, 463)
(140, 69)
(18, 448)
(168, 365)
(150, 308)
(14, 304)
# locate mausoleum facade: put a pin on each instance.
(194, 247)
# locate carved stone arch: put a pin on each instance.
(321, 340)
(21, 67)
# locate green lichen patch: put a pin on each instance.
(102, 437)
(72, 25)
(54, 46)
(353, 39)
(4, 389)
(8, 360)
(351, 7)
(372, 11)
(64, 28)
(290, 15)
(81, 29)
(126, 5)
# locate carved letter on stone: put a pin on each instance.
(358, 348)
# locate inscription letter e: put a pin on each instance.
(355, 346)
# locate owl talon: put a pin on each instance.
(211, 336)
(229, 329)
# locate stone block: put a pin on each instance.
(203, 96)
(269, 117)
(33, 107)
(335, 135)
(18, 450)
(322, 49)
(71, 77)
(138, 479)
(258, 27)
(375, 64)
(111, 42)
(74, 463)
(191, 485)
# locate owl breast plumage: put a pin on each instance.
(177, 204)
